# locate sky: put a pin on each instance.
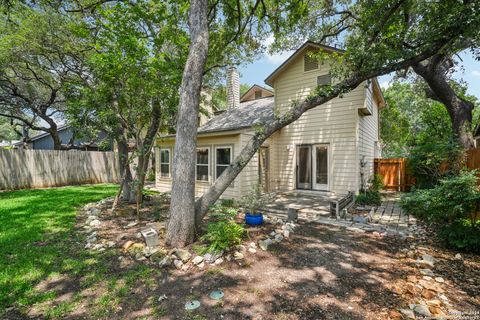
(258, 71)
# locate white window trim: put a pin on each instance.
(208, 165)
(215, 158)
(169, 163)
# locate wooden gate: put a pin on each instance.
(394, 173)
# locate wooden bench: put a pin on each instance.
(338, 205)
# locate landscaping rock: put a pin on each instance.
(201, 265)
(131, 224)
(120, 237)
(253, 245)
(162, 297)
(458, 256)
(252, 250)
(211, 257)
(427, 272)
(197, 260)
(428, 294)
(183, 254)
(439, 280)
(238, 255)
(273, 233)
(127, 245)
(166, 261)
(218, 261)
(178, 263)
(241, 248)
(278, 238)
(263, 244)
(422, 310)
(95, 223)
(407, 313)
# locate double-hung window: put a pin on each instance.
(203, 164)
(223, 159)
(165, 163)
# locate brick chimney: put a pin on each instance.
(233, 88)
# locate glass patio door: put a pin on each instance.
(304, 167)
(320, 167)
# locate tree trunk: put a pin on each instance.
(434, 72)
(181, 227)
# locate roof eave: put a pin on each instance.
(270, 79)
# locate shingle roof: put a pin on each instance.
(246, 115)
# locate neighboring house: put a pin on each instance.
(44, 141)
(330, 148)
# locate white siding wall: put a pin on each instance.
(334, 123)
(368, 135)
(232, 192)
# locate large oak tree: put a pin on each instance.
(378, 37)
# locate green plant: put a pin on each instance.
(150, 175)
(221, 212)
(431, 161)
(462, 235)
(452, 199)
(223, 234)
(452, 208)
(376, 183)
(368, 197)
(253, 201)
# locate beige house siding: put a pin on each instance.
(334, 123)
(232, 192)
(368, 135)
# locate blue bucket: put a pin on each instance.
(253, 220)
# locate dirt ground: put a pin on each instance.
(320, 272)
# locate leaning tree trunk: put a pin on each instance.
(295, 111)
(181, 227)
(434, 72)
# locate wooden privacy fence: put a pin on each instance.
(20, 169)
(395, 176)
(394, 173)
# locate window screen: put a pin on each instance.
(223, 158)
(324, 80)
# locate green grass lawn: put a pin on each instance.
(36, 235)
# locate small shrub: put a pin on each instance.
(453, 199)
(227, 202)
(452, 208)
(221, 212)
(150, 175)
(462, 235)
(223, 234)
(368, 197)
(376, 183)
(253, 200)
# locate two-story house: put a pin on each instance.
(330, 148)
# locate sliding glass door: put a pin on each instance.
(313, 167)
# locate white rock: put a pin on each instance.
(162, 297)
(201, 265)
(253, 245)
(458, 256)
(241, 248)
(278, 238)
(427, 272)
(273, 233)
(183, 254)
(132, 224)
(286, 233)
(427, 278)
(439, 280)
(95, 223)
(422, 310)
(218, 261)
(166, 261)
(197, 260)
(407, 313)
(263, 244)
(252, 250)
(178, 263)
(110, 244)
(238, 255)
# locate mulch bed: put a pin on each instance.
(320, 272)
